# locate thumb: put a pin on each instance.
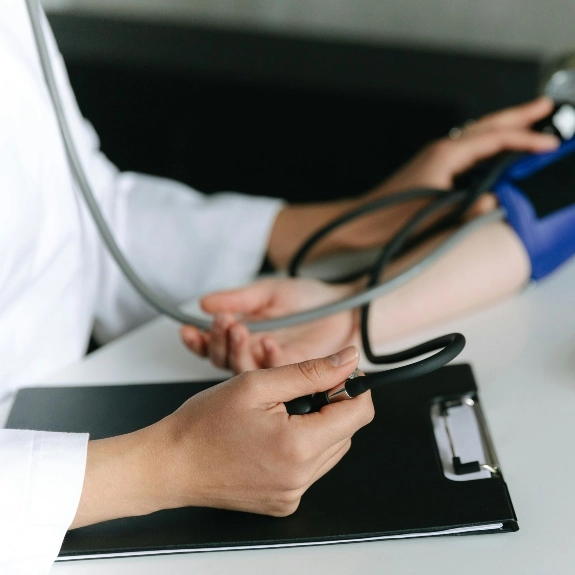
(245, 300)
(290, 381)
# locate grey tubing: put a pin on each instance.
(370, 294)
(167, 308)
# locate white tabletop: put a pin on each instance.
(523, 355)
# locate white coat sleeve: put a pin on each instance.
(181, 242)
(41, 477)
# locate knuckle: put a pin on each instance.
(370, 413)
(299, 479)
(285, 504)
(487, 118)
(256, 385)
(290, 497)
(250, 383)
(310, 369)
(346, 447)
(366, 411)
(369, 409)
(442, 148)
(295, 451)
(504, 136)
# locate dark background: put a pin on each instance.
(283, 116)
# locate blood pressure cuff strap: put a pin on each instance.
(538, 195)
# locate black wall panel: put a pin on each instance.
(284, 116)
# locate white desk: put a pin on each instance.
(523, 354)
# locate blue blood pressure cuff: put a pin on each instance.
(538, 195)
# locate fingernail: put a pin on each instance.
(344, 356)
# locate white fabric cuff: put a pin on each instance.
(182, 243)
(248, 224)
(41, 479)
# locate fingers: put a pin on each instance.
(491, 143)
(246, 353)
(290, 381)
(218, 351)
(213, 344)
(522, 116)
(272, 355)
(195, 340)
(245, 300)
(464, 153)
(324, 463)
(229, 345)
(332, 457)
(328, 454)
(340, 420)
(240, 355)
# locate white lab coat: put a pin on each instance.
(57, 281)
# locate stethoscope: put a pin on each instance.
(456, 201)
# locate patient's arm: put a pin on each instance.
(486, 266)
(435, 166)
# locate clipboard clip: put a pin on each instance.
(463, 438)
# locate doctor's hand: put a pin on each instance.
(230, 345)
(232, 446)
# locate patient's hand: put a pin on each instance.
(230, 345)
(436, 166)
(440, 162)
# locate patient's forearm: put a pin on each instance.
(296, 223)
(485, 267)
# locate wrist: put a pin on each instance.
(296, 223)
(121, 479)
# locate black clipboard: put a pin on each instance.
(391, 484)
